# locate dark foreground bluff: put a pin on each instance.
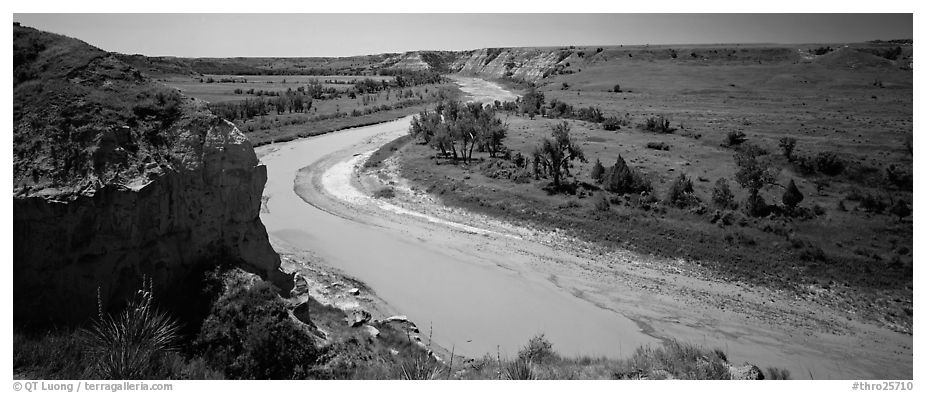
(116, 177)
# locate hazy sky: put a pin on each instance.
(293, 35)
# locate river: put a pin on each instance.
(433, 273)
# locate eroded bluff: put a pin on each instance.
(118, 178)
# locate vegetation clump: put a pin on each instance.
(621, 179)
(722, 196)
(554, 156)
(753, 174)
(792, 196)
(457, 130)
(659, 124)
(681, 193)
(734, 138)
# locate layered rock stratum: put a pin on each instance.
(116, 178)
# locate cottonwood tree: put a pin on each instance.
(532, 102)
(457, 130)
(554, 156)
(754, 174)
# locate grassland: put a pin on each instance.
(845, 254)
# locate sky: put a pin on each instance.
(309, 35)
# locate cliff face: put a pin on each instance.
(116, 178)
(520, 63)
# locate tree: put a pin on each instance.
(753, 174)
(792, 195)
(787, 146)
(555, 155)
(722, 196)
(598, 172)
(532, 102)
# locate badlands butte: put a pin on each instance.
(136, 178)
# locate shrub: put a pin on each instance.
(681, 192)
(385, 193)
(681, 361)
(597, 172)
(249, 335)
(617, 89)
(722, 196)
(658, 146)
(734, 138)
(792, 195)
(658, 124)
(899, 178)
(787, 146)
(821, 50)
(828, 163)
(590, 114)
(622, 179)
(614, 123)
(872, 204)
(901, 209)
(537, 350)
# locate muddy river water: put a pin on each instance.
(435, 274)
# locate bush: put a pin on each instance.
(787, 146)
(722, 196)
(658, 146)
(622, 179)
(249, 335)
(681, 361)
(901, 209)
(597, 172)
(828, 163)
(681, 192)
(792, 195)
(614, 123)
(537, 350)
(617, 89)
(872, 204)
(385, 193)
(734, 138)
(658, 124)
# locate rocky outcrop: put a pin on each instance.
(116, 178)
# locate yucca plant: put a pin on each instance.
(520, 369)
(130, 345)
(420, 368)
